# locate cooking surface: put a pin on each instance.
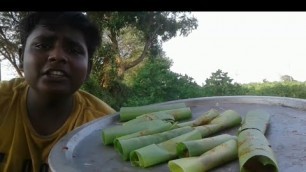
(82, 149)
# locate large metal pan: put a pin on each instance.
(82, 149)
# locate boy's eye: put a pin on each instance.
(75, 50)
(43, 46)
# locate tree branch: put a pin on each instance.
(145, 50)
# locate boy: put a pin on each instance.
(39, 109)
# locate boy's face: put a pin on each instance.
(55, 60)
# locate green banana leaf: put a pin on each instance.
(207, 130)
(256, 119)
(125, 146)
(213, 158)
(254, 151)
(129, 113)
(111, 133)
(148, 131)
(158, 153)
(225, 120)
(171, 115)
(202, 119)
(198, 147)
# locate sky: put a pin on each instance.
(249, 46)
(7, 71)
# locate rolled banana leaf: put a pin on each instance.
(254, 151)
(109, 134)
(198, 147)
(171, 115)
(148, 131)
(256, 119)
(213, 158)
(207, 130)
(129, 113)
(158, 153)
(202, 119)
(227, 119)
(125, 146)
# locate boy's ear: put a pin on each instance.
(88, 70)
(20, 54)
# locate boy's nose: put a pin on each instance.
(57, 54)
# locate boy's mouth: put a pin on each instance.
(56, 73)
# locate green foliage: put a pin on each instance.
(220, 84)
(131, 37)
(287, 78)
(92, 86)
(154, 83)
(282, 89)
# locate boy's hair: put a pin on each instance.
(76, 20)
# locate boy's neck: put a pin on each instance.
(47, 113)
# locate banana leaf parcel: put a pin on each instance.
(111, 133)
(125, 146)
(214, 157)
(170, 115)
(198, 147)
(129, 113)
(158, 153)
(254, 151)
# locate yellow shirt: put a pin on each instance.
(21, 147)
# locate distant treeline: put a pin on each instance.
(155, 83)
(293, 89)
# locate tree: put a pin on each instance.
(9, 38)
(287, 78)
(130, 37)
(220, 84)
(265, 80)
(154, 82)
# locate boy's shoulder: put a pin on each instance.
(90, 101)
(8, 86)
